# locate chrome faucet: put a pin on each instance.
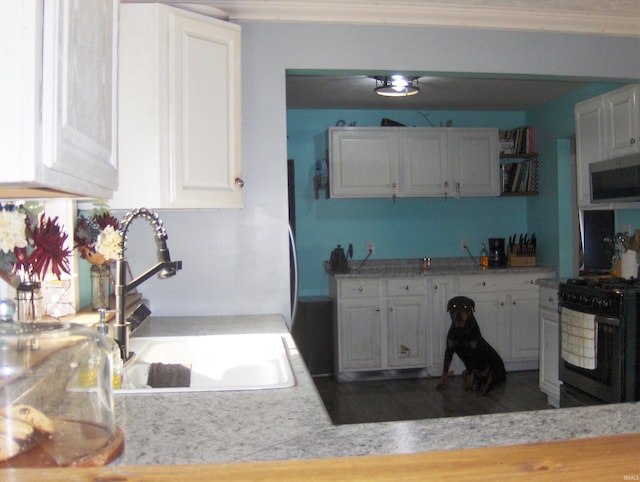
(165, 268)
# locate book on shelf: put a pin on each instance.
(520, 176)
(521, 140)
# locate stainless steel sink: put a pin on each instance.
(216, 362)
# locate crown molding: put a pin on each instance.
(424, 13)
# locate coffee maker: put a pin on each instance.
(497, 256)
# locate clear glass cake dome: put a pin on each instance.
(56, 401)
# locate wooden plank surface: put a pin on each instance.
(603, 458)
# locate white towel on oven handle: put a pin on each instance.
(579, 338)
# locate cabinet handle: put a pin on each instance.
(502, 303)
(239, 182)
(633, 141)
(457, 188)
(514, 302)
(406, 287)
(391, 308)
(435, 287)
(484, 283)
(550, 299)
(377, 308)
(360, 289)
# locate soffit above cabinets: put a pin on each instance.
(616, 17)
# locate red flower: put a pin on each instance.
(47, 240)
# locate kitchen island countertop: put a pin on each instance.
(264, 425)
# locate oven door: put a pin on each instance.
(599, 375)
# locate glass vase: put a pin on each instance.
(100, 284)
(29, 305)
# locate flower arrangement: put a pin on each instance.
(30, 244)
(97, 237)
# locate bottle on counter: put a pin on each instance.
(117, 363)
(484, 257)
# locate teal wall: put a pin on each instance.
(406, 228)
(417, 227)
(550, 214)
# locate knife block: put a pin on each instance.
(518, 260)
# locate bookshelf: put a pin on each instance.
(519, 174)
(518, 162)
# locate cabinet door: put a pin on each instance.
(441, 289)
(523, 325)
(58, 130)
(474, 162)
(549, 354)
(424, 164)
(179, 110)
(622, 111)
(589, 118)
(204, 87)
(491, 315)
(406, 332)
(363, 161)
(360, 334)
(79, 106)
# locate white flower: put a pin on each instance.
(12, 231)
(108, 243)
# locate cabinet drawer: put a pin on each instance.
(406, 286)
(362, 288)
(492, 282)
(549, 298)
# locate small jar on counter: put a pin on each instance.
(425, 264)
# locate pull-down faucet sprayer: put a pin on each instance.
(165, 268)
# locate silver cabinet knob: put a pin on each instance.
(239, 182)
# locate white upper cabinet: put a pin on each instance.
(179, 110)
(474, 161)
(364, 162)
(622, 114)
(58, 123)
(589, 118)
(607, 126)
(425, 165)
(413, 162)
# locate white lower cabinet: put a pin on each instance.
(406, 323)
(507, 313)
(383, 325)
(380, 324)
(549, 345)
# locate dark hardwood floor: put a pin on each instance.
(414, 399)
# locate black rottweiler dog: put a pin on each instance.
(484, 367)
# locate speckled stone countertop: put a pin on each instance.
(392, 268)
(215, 427)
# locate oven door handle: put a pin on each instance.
(605, 320)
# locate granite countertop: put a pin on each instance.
(216, 427)
(392, 268)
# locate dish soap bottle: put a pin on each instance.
(116, 363)
(484, 257)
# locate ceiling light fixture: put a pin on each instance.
(396, 86)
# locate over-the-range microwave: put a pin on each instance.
(615, 180)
